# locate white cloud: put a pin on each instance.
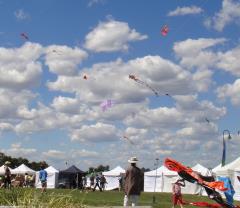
(230, 90)
(54, 154)
(20, 63)
(230, 61)
(99, 132)
(230, 12)
(94, 2)
(84, 153)
(181, 11)
(20, 14)
(17, 150)
(111, 36)
(63, 60)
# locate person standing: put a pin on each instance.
(97, 183)
(43, 178)
(102, 182)
(133, 183)
(176, 190)
(7, 175)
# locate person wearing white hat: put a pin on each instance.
(133, 183)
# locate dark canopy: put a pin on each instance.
(72, 170)
(70, 177)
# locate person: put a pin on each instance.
(102, 182)
(176, 190)
(97, 181)
(121, 182)
(26, 181)
(43, 178)
(133, 183)
(7, 175)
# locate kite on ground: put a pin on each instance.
(164, 30)
(207, 182)
(25, 36)
(106, 105)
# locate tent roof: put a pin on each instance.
(72, 170)
(22, 169)
(51, 169)
(114, 172)
(160, 171)
(2, 170)
(234, 165)
(201, 169)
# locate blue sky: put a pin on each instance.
(48, 111)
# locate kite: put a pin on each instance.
(207, 182)
(207, 120)
(106, 104)
(24, 36)
(238, 177)
(127, 138)
(164, 30)
(133, 77)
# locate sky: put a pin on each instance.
(61, 59)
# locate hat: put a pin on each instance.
(7, 163)
(133, 160)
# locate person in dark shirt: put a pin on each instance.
(7, 175)
(97, 183)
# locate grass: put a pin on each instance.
(64, 198)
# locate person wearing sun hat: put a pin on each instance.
(133, 183)
(7, 175)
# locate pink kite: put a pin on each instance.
(24, 36)
(164, 30)
(106, 104)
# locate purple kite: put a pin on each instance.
(106, 104)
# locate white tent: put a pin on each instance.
(112, 177)
(2, 170)
(22, 169)
(52, 179)
(159, 180)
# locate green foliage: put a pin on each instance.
(100, 168)
(15, 162)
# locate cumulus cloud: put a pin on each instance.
(54, 154)
(98, 132)
(230, 61)
(229, 13)
(181, 11)
(22, 64)
(95, 2)
(63, 60)
(230, 90)
(16, 150)
(111, 36)
(20, 14)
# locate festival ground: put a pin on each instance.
(74, 198)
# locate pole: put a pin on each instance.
(224, 146)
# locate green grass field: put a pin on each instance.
(60, 198)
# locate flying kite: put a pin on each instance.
(206, 119)
(127, 138)
(164, 30)
(24, 36)
(133, 77)
(106, 105)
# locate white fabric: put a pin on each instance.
(52, 178)
(22, 169)
(112, 178)
(2, 170)
(236, 185)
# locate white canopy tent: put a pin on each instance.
(159, 180)
(231, 170)
(52, 178)
(22, 169)
(112, 177)
(2, 170)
